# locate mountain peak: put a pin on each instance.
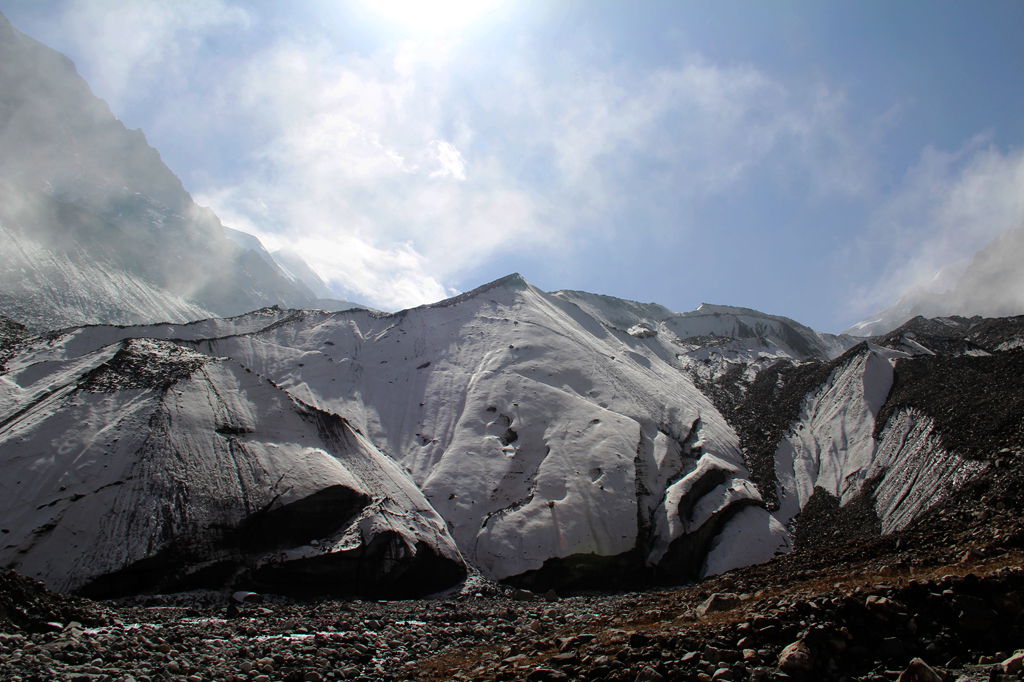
(513, 280)
(717, 309)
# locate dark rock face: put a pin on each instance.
(26, 604)
(823, 523)
(11, 334)
(384, 568)
(976, 401)
(215, 558)
(315, 516)
(587, 572)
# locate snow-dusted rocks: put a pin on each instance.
(844, 443)
(832, 444)
(146, 465)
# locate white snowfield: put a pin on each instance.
(60, 288)
(200, 463)
(833, 446)
(538, 431)
(507, 427)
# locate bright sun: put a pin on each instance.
(432, 16)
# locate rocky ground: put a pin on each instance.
(947, 593)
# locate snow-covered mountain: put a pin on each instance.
(560, 439)
(547, 441)
(94, 227)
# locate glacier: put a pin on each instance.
(557, 439)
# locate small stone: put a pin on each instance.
(796, 658)
(638, 639)
(522, 595)
(719, 601)
(1014, 664)
(245, 597)
(892, 647)
(649, 674)
(919, 671)
(551, 596)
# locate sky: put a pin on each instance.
(809, 159)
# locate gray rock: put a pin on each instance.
(796, 658)
(719, 601)
(919, 671)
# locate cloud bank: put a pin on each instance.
(928, 233)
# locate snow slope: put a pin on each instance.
(541, 436)
(548, 439)
(153, 466)
(536, 432)
(836, 445)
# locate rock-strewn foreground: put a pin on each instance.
(948, 590)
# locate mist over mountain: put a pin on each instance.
(94, 226)
(992, 285)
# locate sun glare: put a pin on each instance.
(432, 16)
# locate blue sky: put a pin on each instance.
(809, 159)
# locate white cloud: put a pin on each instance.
(394, 152)
(136, 46)
(360, 159)
(451, 163)
(949, 206)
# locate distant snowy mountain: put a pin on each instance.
(557, 449)
(93, 226)
(992, 285)
(296, 268)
